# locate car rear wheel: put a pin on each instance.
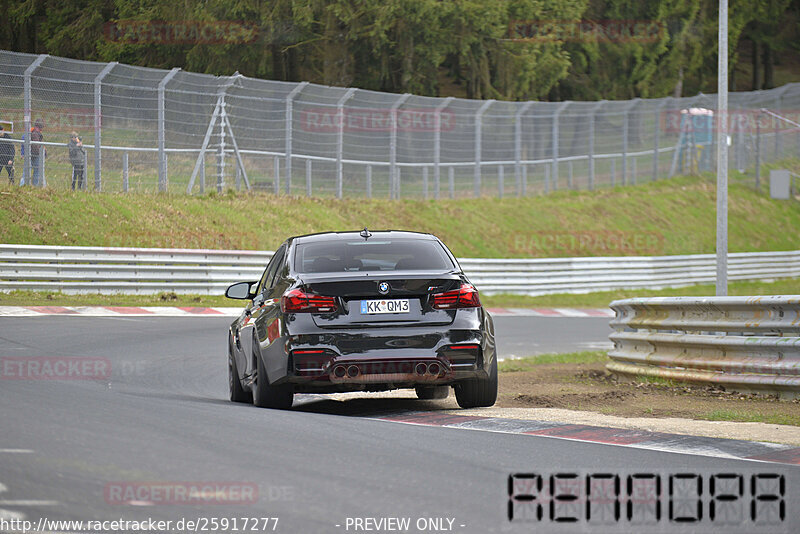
(266, 396)
(478, 392)
(237, 394)
(432, 392)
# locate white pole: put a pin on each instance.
(722, 152)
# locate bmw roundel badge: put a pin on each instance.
(383, 288)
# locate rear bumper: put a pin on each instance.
(377, 360)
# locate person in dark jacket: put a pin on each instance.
(77, 156)
(7, 153)
(37, 151)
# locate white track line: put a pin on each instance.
(16, 451)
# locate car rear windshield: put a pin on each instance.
(395, 254)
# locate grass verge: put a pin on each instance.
(579, 381)
(674, 216)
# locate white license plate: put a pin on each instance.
(371, 307)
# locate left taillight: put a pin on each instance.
(464, 297)
(297, 301)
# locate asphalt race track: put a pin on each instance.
(161, 417)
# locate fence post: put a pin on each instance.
(162, 159)
(554, 146)
(451, 180)
(125, 172)
(478, 135)
(340, 139)
(778, 144)
(518, 146)
(276, 173)
(500, 180)
(657, 134)
(569, 174)
(547, 170)
(613, 172)
(758, 149)
(85, 180)
(42, 177)
(525, 180)
(289, 132)
(425, 182)
(203, 176)
(369, 181)
(26, 166)
(308, 177)
(394, 178)
(437, 143)
(592, 115)
(625, 128)
(98, 125)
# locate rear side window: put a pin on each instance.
(399, 254)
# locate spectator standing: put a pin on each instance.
(7, 153)
(77, 156)
(37, 151)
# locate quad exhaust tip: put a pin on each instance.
(421, 369)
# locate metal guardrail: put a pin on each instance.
(151, 270)
(741, 343)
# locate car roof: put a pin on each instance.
(376, 234)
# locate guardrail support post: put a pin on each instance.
(98, 126)
(26, 166)
(340, 139)
(425, 182)
(369, 181)
(478, 136)
(394, 172)
(289, 132)
(162, 159)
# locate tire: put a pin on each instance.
(266, 396)
(432, 392)
(237, 393)
(478, 392)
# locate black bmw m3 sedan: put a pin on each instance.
(361, 311)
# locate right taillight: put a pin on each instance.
(297, 301)
(464, 297)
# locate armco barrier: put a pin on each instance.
(151, 270)
(741, 343)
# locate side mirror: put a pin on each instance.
(240, 290)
